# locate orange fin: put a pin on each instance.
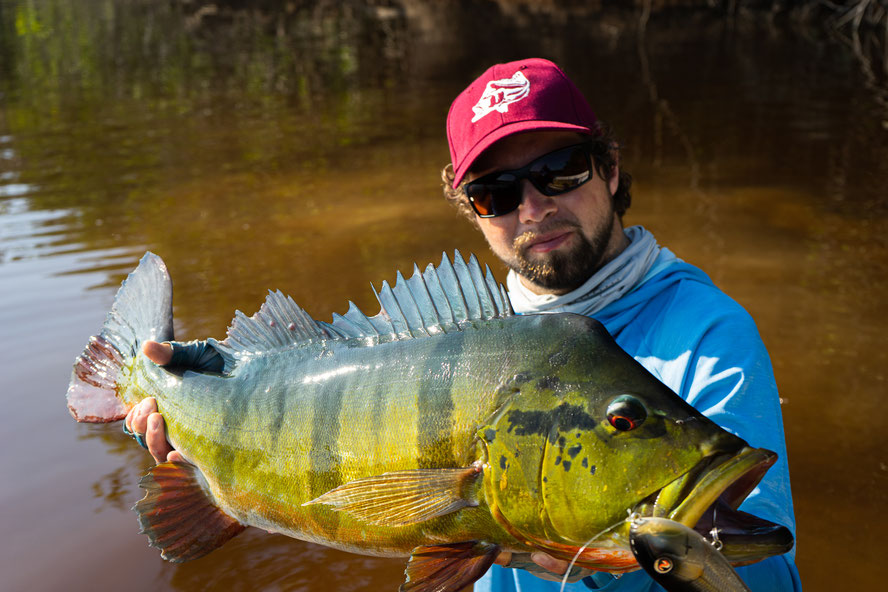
(446, 568)
(404, 497)
(179, 516)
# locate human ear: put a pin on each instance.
(614, 181)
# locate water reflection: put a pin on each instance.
(300, 150)
(280, 563)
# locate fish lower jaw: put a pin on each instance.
(726, 477)
(706, 499)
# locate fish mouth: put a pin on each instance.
(706, 499)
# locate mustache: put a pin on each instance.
(525, 239)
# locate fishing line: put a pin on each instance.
(583, 548)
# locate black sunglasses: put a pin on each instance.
(557, 172)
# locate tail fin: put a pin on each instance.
(142, 310)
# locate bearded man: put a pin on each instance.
(538, 174)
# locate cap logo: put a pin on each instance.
(499, 94)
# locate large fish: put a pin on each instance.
(445, 428)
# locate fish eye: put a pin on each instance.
(626, 413)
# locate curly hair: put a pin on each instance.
(605, 152)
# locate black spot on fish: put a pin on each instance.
(548, 383)
(557, 460)
(561, 442)
(592, 470)
(526, 423)
(545, 479)
(489, 435)
(585, 462)
(503, 462)
(566, 465)
(573, 451)
(564, 417)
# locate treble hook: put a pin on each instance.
(713, 532)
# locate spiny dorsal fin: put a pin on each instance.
(438, 300)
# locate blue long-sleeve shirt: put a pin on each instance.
(705, 347)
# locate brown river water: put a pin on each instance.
(301, 152)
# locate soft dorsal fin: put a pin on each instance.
(279, 323)
(440, 299)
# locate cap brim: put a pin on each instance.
(507, 130)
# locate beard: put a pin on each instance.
(558, 271)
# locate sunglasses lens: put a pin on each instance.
(560, 171)
(494, 196)
(498, 194)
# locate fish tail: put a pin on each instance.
(142, 310)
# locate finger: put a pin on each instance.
(174, 456)
(128, 420)
(138, 422)
(546, 561)
(159, 353)
(146, 407)
(155, 437)
(503, 558)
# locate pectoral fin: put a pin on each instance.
(179, 516)
(404, 497)
(448, 568)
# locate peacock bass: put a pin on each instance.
(445, 428)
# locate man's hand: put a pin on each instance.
(552, 569)
(144, 418)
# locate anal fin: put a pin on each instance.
(448, 568)
(179, 516)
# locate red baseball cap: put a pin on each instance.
(526, 95)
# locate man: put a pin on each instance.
(539, 175)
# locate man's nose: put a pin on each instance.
(534, 206)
